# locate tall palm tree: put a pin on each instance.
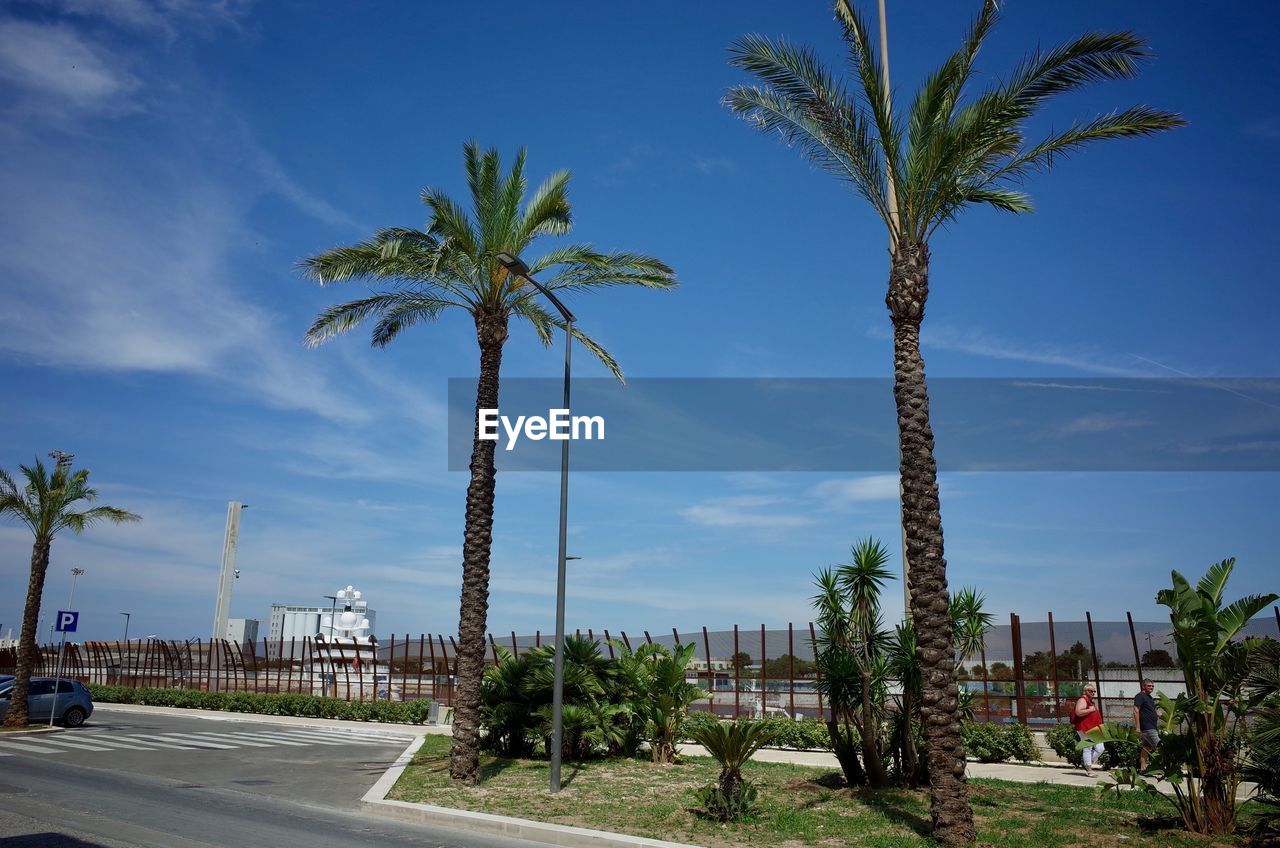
(952, 150)
(45, 504)
(451, 264)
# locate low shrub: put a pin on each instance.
(998, 743)
(806, 734)
(727, 805)
(1063, 740)
(309, 706)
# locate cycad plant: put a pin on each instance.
(1202, 728)
(732, 744)
(452, 264)
(46, 504)
(920, 168)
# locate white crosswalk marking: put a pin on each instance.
(74, 744)
(146, 740)
(237, 738)
(186, 739)
(102, 739)
(32, 749)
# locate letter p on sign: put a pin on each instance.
(67, 621)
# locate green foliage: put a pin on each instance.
(1158, 658)
(1119, 753)
(452, 264)
(309, 706)
(998, 743)
(948, 149)
(1201, 731)
(732, 744)
(1075, 662)
(1262, 762)
(660, 693)
(726, 805)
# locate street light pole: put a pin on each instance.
(53, 710)
(127, 616)
(518, 268)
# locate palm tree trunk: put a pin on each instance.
(464, 754)
(17, 716)
(922, 517)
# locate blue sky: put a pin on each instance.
(163, 166)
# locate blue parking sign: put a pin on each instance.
(67, 620)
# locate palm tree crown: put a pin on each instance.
(951, 150)
(44, 503)
(452, 262)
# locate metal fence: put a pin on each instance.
(1027, 672)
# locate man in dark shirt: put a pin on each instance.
(1146, 718)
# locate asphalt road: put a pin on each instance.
(129, 779)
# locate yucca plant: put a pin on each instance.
(732, 744)
(46, 504)
(920, 168)
(451, 266)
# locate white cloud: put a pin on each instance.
(1100, 422)
(55, 71)
(167, 17)
(976, 342)
(877, 487)
(743, 511)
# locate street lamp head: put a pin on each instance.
(77, 571)
(513, 264)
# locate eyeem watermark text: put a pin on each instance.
(558, 426)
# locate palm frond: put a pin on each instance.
(808, 107)
(547, 212)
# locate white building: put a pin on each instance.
(243, 630)
(291, 621)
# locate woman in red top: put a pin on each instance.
(1085, 717)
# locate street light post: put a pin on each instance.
(127, 616)
(53, 711)
(514, 265)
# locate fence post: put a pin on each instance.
(737, 686)
(813, 642)
(711, 676)
(515, 649)
(648, 640)
(791, 668)
(986, 684)
(1133, 637)
(1097, 673)
(764, 689)
(1053, 663)
(1019, 682)
(625, 640)
(431, 643)
(607, 643)
(676, 637)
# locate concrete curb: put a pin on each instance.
(375, 802)
(30, 731)
(296, 721)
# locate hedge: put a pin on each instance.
(310, 706)
(804, 735)
(997, 743)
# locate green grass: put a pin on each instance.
(798, 806)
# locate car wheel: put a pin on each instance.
(74, 717)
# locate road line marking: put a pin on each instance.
(332, 738)
(84, 746)
(238, 738)
(27, 746)
(152, 741)
(181, 739)
(267, 738)
(283, 739)
(128, 746)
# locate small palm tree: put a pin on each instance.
(452, 264)
(950, 152)
(661, 691)
(732, 744)
(45, 504)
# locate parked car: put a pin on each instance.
(74, 703)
